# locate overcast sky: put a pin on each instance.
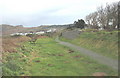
(46, 12)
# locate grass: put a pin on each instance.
(48, 58)
(103, 42)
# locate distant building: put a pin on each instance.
(40, 32)
(18, 34)
(51, 30)
(26, 33)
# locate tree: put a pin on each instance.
(119, 15)
(80, 23)
(105, 18)
(114, 9)
(102, 19)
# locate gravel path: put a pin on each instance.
(101, 59)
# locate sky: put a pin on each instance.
(32, 13)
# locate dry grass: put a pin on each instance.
(10, 43)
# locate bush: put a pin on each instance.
(30, 35)
(16, 35)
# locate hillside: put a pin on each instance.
(48, 58)
(9, 29)
(103, 42)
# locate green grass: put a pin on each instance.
(105, 43)
(48, 58)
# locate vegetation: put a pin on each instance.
(33, 38)
(16, 35)
(103, 42)
(10, 43)
(48, 58)
(80, 23)
(105, 18)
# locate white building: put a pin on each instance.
(22, 34)
(51, 30)
(40, 33)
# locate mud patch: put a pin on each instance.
(70, 51)
(99, 74)
(50, 65)
(37, 61)
(60, 54)
(77, 56)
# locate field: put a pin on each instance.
(102, 42)
(48, 58)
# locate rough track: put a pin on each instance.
(99, 58)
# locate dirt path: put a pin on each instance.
(99, 58)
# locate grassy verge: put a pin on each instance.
(105, 43)
(48, 58)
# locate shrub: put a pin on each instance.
(16, 35)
